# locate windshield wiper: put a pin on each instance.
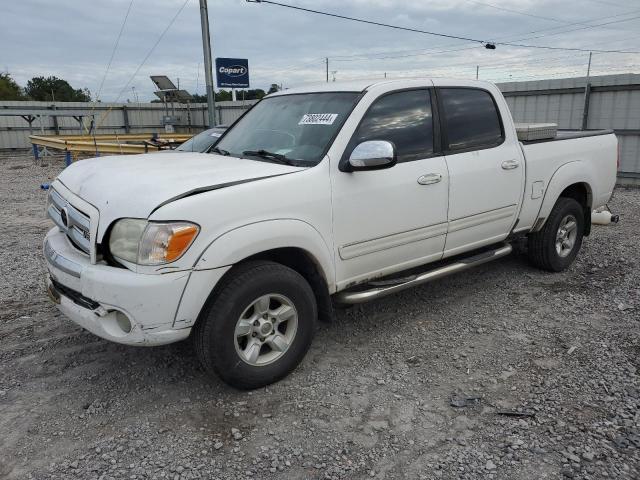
(220, 151)
(277, 157)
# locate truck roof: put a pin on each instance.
(361, 85)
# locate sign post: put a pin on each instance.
(206, 50)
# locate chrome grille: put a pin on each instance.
(76, 224)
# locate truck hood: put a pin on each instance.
(136, 185)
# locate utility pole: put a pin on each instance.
(587, 94)
(326, 62)
(208, 70)
(589, 67)
(477, 71)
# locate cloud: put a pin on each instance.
(74, 40)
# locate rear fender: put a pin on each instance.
(565, 176)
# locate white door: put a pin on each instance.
(486, 169)
(391, 219)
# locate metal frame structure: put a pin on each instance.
(100, 144)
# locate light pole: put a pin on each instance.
(208, 72)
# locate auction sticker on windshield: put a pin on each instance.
(318, 119)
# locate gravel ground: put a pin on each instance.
(505, 372)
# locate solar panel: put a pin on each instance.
(163, 82)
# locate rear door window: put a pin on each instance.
(471, 119)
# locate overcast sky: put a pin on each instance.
(73, 39)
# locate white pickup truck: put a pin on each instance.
(338, 193)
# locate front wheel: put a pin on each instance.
(555, 246)
(258, 325)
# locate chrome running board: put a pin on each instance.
(360, 296)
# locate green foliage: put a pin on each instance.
(254, 94)
(197, 98)
(9, 89)
(50, 89)
(225, 95)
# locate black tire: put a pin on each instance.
(215, 334)
(542, 245)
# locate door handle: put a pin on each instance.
(510, 164)
(429, 178)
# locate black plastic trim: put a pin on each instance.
(74, 296)
(438, 146)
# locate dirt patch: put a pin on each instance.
(371, 400)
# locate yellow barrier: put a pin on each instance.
(108, 143)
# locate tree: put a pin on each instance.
(9, 89)
(253, 94)
(197, 98)
(225, 95)
(49, 89)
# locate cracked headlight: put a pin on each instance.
(151, 243)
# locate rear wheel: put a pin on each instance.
(258, 325)
(555, 246)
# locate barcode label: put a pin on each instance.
(318, 119)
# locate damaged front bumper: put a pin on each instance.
(114, 303)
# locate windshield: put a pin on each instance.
(202, 141)
(298, 127)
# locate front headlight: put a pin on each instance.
(151, 243)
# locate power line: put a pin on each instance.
(518, 12)
(370, 22)
(113, 52)
(489, 45)
(151, 50)
(602, 2)
(394, 54)
(301, 65)
(526, 14)
(526, 60)
(431, 52)
(521, 63)
(144, 60)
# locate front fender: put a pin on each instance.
(243, 242)
(565, 176)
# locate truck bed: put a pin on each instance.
(595, 149)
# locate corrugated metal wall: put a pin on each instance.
(614, 103)
(111, 118)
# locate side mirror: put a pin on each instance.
(372, 155)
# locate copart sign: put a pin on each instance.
(232, 72)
